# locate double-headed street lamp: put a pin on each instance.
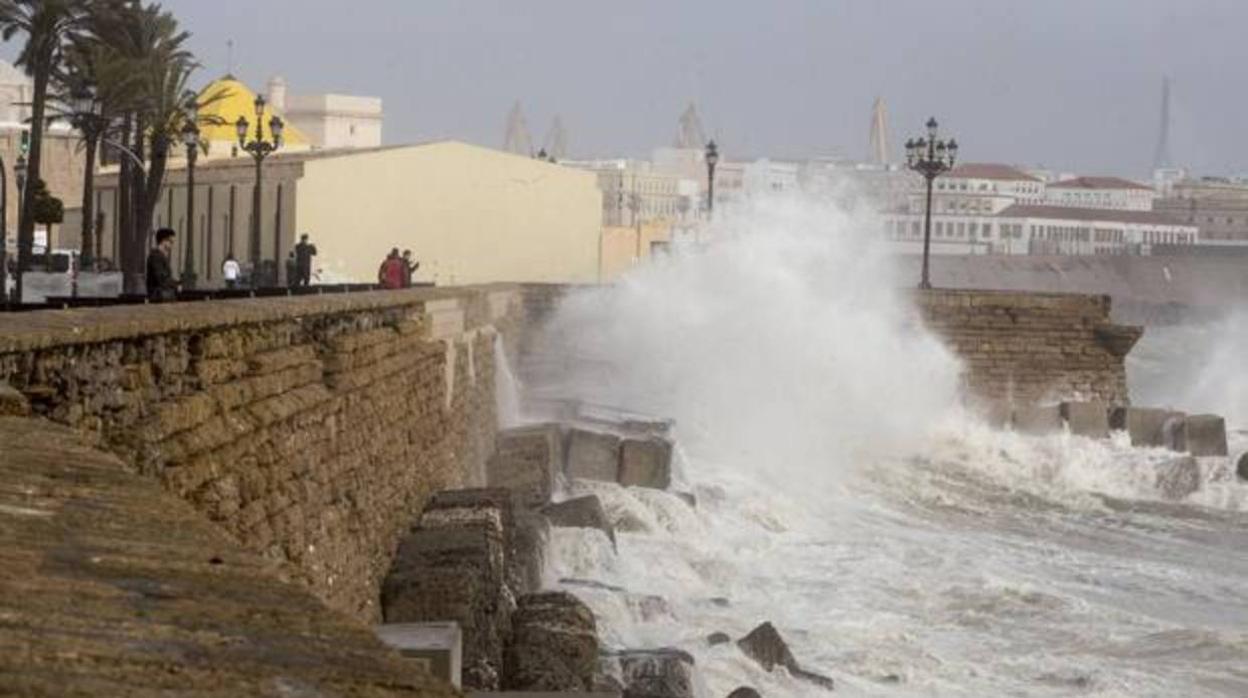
(190, 137)
(259, 149)
(24, 244)
(931, 158)
(712, 159)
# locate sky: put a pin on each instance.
(1070, 85)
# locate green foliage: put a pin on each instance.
(47, 209)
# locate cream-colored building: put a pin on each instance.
(330, 120)
(469, 214)
(634, 193)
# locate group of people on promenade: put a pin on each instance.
(396, 270)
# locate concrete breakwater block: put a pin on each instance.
(1149, 426)
(1205, 435)
(554, 644)
(526, 460)
(646, 463)
(1178, 477)
(580, 512)
(453, 567)
(1090, 419)
(593, 455)
(440, 643)
(1241, 467)
(765, 646)
(1038, 419)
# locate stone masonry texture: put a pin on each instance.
(110, 586)
(1028, 348)
(311, 429)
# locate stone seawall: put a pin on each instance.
(312, 429)
(1027, 348)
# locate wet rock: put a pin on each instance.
(1090, 419)
(581, 512)
(744, 692)
(1206, 435)
(765, 646)
(526, 460)
(718, 638)
(593, 455)
(719, 601)
(1178, 477)
(646, 463)
(1038, 419)
(554, 644)
(662, 673)
(1241, 468)
(689, 498)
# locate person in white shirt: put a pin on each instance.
(230, 270)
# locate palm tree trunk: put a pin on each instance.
(88, 200)
(26, 225)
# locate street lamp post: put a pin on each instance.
(259, 149)
(190, 137)
(88, 117)
(931, 158)
(712, 159)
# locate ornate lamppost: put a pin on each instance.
(259, 149)
(931, 158)
(88, 118)
(190, 137)
(712, 159)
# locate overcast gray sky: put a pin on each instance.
(1068, 84)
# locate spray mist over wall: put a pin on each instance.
(782, 343)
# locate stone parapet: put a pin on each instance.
(311, 428)
(1027, 348)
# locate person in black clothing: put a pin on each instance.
(409, 268)
(304, 252)
(161, 286)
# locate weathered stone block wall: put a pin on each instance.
(1027, 348)
(313, 429)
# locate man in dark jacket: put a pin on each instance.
(161, 286)
(409, 268)
(304, 252)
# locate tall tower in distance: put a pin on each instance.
(516, 138)
(1161, 158)
(879, 133)
(689, 131)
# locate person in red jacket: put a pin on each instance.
(393, 271)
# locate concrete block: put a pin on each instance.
(1205, 435)
(646, 463)
(593, 455)
(1178, 477)
(526, 460)
(1038, 419)
(440, 643)
(554, 644)
(1148, 426)
(581, 512)
(1090, 419)
(1241, 467)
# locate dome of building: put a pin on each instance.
(227, 99)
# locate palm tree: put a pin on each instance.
(93, 72)
(46, 24)
(147, 37)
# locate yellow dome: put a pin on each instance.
(227, 99)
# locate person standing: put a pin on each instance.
(409, 268)
(231, 271)
(391, 273)
(304, 252)
(161, 286)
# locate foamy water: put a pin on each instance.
(899, 547)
